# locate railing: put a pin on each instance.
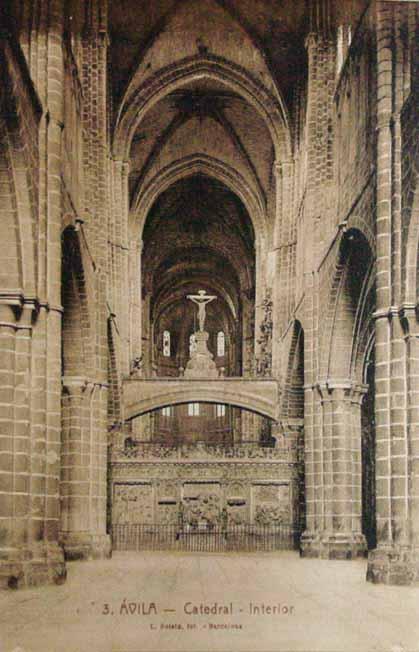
(238, 538)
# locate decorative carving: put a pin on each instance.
(220, 471)
(254, 490)
(264, 362)
(136, 365)
(202, 505)
(271, 504)
(268, 515)
(133, 503)
(167, 514)
(143, 451)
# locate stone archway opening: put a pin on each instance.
(201, 438)
(198, 237)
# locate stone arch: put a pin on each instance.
(292, 402)
(199, 67)
(19, 169)
(235, 21)
(77, 344)
(410, 259)
(200, 164)
(351, 301)
(221, 252)
(222, 135)
(195, 393)
(11, 274)
(410, 204)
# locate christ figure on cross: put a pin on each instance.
(201, 299)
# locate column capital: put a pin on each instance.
(74, 384)
(409, 316)
(341, 388)
(407, 313)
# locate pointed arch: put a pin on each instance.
(171, 131)
(292, 399)
(20, 114)
(351, 304)
(199, 164)
(197, 68)
(163, 22)
(11, 274)
(77, 341)
(410, 259)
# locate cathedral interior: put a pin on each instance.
(209, 322)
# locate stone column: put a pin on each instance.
(309, 465)
(12, 544)
(83, 470)
(396, 558)
(336, 530)
(321, 54)
(412, 354)
(29, 505)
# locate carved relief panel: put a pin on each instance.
(271, 503)
(132, 503)
(202, 503)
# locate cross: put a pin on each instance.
(201, 299)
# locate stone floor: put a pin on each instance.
(107, 606)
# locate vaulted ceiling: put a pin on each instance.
(198, 235)
(203, 94)
(204, 115)
(276, 27)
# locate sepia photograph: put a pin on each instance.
(209, 326)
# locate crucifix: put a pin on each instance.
(201, 299)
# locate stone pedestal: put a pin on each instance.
(86, 546)
(32, 565)
(201, 364)
(397, 565)
(333, 545)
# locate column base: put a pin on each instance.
(397, 565)
(330, 545)
(36, 565)
(85, 546)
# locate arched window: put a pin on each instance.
(192, 344)
(167, 411)
(220, 410)
(193, 409)
(221, 344)
(166, 344)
